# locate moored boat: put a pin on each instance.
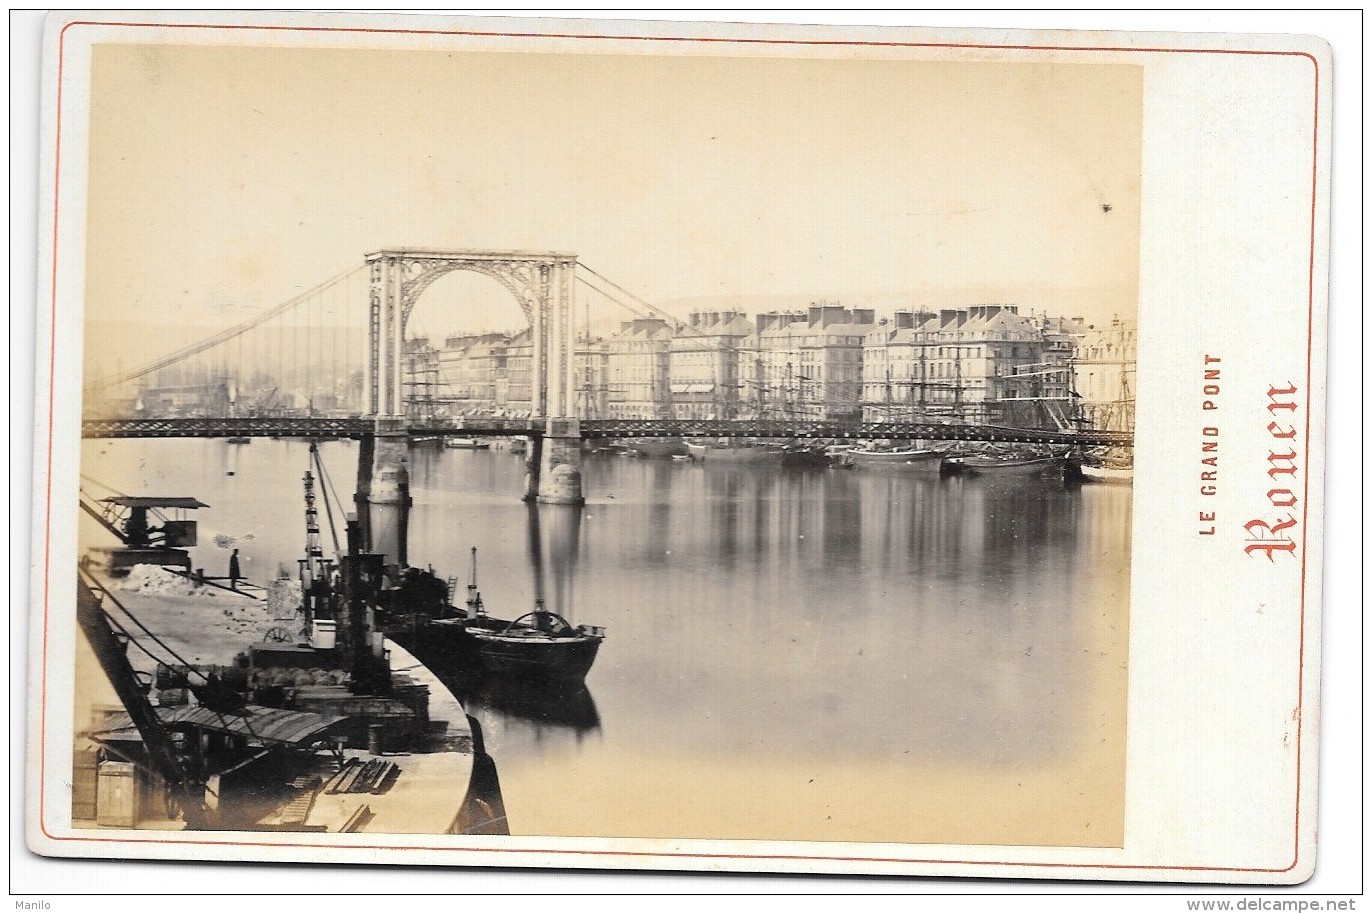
(1105, 473)
(804, 455)
(982, 465)
(1107, 465)
(659, 448)
(904, 458)
(464, 645)
(735, 453)
(470, 444)
(537, 645)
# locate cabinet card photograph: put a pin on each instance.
(558, 443)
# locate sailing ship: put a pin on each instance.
(1113, 465)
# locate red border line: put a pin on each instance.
(1305, 508)
(52, 369)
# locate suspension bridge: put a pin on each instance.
(339, 360)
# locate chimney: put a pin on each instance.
(762, 322)
(949, 316)
(815, 313)
(864, 316)
(836, 314)
(905, 320)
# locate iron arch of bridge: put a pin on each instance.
(541, 282)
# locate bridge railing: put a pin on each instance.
(358, 426)
(205, 427)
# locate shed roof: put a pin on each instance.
(155, 501)
(274, 725)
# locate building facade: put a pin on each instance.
(956, 363)
(809, 363)
(1105, 375)
(703, 365)
(592, 380)
(984, 363)
(468, 366)
(637, 361)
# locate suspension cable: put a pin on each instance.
(222, 336)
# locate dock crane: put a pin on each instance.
(186, 791)
(126, 517)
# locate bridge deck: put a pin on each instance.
(357, 427)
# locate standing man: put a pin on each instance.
(234, 571)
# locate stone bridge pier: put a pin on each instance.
(554, 465)
(383, 491)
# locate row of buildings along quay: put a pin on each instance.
(985, 363)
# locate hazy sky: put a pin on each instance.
(224, 176)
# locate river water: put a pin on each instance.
(837, 654)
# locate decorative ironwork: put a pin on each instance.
(539, 283)
(520, 279)
(313, 427)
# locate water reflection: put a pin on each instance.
(566, 706)
(818, 619)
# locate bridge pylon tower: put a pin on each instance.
(542, 283)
